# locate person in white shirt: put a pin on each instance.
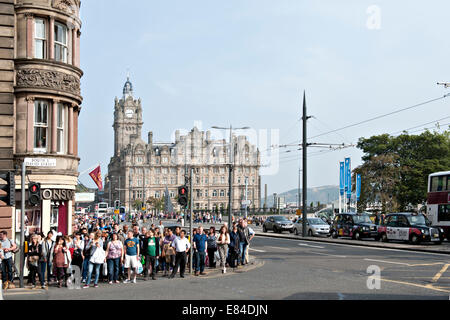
(181, 246)
(251, 234)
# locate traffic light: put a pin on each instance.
(9, 187)
(117, 205)
(183, 196)
(34, 193)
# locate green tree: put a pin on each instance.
(395, 169)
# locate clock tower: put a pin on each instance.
(127, 119)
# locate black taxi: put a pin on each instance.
(354, 225)
(410, 227)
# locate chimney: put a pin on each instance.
(150, 138)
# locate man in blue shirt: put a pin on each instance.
(200, 247)
(131, 255)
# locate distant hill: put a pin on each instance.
(322, 194)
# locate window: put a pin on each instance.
(157, 170)
(440, 184)
(164, 160)
(206, 193)
(214, 193)
(173, 180)
(40, 39)
(40, 125)
(156, 180)
(157, 194)
(444, 212)
(222, 180)
(222, 193)
(165, 171)
(61, 51)
(60, 127)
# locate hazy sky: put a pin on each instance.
(247, 62)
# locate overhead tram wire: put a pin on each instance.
(380, 116)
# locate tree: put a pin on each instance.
(395, 169)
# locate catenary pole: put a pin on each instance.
(304, 169)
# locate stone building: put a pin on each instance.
(40, 102)
(140, 170)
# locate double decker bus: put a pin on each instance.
(438, 201)
(102, 209)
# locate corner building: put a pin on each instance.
(40, 106)
(140, 170)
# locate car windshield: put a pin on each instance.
(417, 220)
(281, 219)
(316, 221)
(361, 219)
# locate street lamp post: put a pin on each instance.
(230, 173)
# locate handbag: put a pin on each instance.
(98, 257)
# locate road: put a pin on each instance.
(294, 269)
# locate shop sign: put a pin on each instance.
(58, 194)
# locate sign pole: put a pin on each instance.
(22, 230)
(191, 207)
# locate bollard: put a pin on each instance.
(1, 290)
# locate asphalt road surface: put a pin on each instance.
(293, 269)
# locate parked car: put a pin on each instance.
(314, 227)
(410, 227)
(354, 225)
(278, 224)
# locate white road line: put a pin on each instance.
(278, 248)
(308, 245)
(326, 254)
(253, 249)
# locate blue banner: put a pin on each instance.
(342, 179)
(348, 177)
(347, 165)
(358, 187)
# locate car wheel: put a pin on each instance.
(334, 234)
(384, 237)
(310, 233)
(357, 236)
(296, 231)
(415, 239)
(264, 229)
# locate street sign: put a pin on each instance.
(299, 212)
(246, 202)
(116, 211)
(40, 162)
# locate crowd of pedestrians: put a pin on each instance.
(105, 251)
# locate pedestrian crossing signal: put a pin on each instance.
(183, 196)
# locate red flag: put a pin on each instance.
(96, 175)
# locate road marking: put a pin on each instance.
(308, 245)
(405, 264)
(360, 247)
(428, 286)
(253, 249)
(278, 248)
(440, 273)
(326, 254)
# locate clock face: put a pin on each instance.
(129, 113)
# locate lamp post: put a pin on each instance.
(230, 172)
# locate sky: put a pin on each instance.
(248, 62)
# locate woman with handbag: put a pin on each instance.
(114, 253)
(98, 257)
(61, 259)
(222, 243)
(78, 247)
(33, 255)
